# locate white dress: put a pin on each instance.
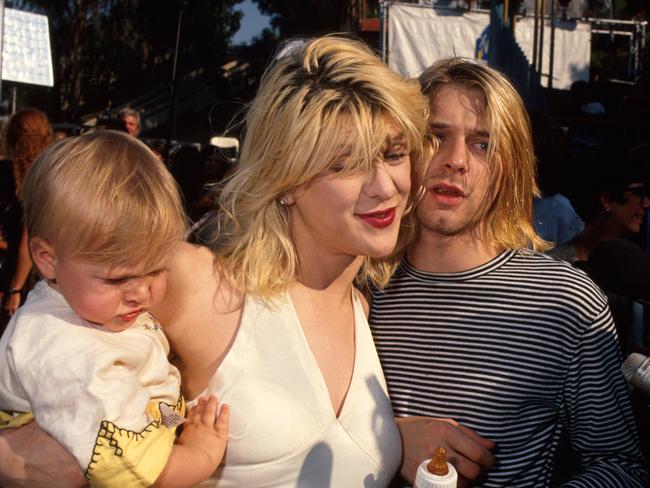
(283, 429)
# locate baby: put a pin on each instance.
(83, 354)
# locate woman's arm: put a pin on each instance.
(30, 458)
(19, 279)
(199, 316)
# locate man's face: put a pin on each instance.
(458, 175)
(626, 217)
(132, 125)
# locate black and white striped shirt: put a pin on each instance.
(518, 349)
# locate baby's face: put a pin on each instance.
(109, 296)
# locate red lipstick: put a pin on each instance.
(379, 219)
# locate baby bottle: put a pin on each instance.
(436, 472)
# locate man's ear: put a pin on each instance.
(43, 256)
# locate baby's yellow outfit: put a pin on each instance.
(105, 396)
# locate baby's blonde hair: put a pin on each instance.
(317, 102)
(106, 198)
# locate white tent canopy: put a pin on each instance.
(420, 35)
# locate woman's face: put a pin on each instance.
(629, 214)
(355, 214)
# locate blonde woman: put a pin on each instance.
(269, 317)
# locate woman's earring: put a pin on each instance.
(285, 200)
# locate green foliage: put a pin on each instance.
(115, 50)
(617, 9)
(610, 54)
(306, 17)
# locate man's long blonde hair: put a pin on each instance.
(313, 102)
(508, 218)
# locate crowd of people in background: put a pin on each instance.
(501, 279)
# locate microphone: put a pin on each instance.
(636, 370)
(621, 267)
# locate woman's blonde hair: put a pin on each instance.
(319, 100)
(508, 217)
(104, 197)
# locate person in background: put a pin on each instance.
(157, 146)
(59, 135)
(611, 199)
(131, 120)
(26, 134)
(554, 217)
(505, 348)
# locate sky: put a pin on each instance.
(252, 23)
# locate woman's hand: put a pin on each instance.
(11, 303)
(30, 458)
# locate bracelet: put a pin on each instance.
(13, 291)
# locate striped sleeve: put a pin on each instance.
(599, 418)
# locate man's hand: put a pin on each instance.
(466, 450)
(31, 458)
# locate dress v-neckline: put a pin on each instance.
(318, 376)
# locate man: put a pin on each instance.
(505, 347)
(131, 120)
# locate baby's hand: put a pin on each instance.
(205, 430)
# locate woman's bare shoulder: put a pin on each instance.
(196, 291)
(200, 315)
(191, 283)
(190, 260)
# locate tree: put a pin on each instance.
(307, 17)
(109, 51)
